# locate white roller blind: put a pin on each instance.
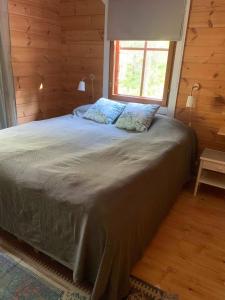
(146, 19)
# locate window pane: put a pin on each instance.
(130, 70)
(155, 74)
(132, 44)
(158, 44)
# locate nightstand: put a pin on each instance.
(211, 169)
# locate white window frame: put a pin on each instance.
(170, 109)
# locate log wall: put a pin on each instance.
(204, 62)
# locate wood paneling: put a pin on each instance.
(36, 58)
(61, 41)
(204, 62)
(82, 25)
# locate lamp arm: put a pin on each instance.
(196, 87)
(92, 78)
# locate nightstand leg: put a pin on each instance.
(198, 177)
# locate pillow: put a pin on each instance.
(137, 117)
(81, 110)
(104, 111)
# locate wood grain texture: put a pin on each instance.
(204, 62)
(36, 58)
(82, 24)
(60, 42)
(187, 254)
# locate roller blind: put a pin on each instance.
(146, 19)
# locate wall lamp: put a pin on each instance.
(82, 85)
(191, 100)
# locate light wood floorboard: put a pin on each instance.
(187, 255)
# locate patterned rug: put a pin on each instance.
(22, 278)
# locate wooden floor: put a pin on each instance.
(187, 256)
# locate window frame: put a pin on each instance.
(113, 70)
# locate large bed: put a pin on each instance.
(90, 195)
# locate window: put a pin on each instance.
(141, 71)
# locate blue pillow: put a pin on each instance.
(137, 117)
(104, 111)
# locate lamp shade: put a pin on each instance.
(191, 102)
(82, 86)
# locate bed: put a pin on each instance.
(90, 195)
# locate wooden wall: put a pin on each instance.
(82, 23)
(36, 57)
(61, 41)
(204, 62)
(57, 42)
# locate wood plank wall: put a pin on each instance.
(204, 62)
(61, 41)
(57, 42)
(36, 57)
(82, 23)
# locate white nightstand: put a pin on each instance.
(211, 169)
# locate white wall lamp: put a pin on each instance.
(191, 100)
(82, 86)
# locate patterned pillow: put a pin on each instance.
(137, 117)
(104, 111)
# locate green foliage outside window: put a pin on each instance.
(130, 71)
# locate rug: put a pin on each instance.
(24, 279)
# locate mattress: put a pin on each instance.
(91, 195)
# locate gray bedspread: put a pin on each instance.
(91, 195)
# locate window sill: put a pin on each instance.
(162, 103)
